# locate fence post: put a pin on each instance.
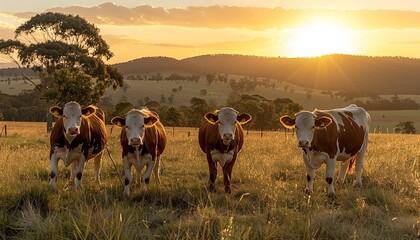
(173, 131)
(261, 134)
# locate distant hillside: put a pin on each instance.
(359, 74)
(351, 74)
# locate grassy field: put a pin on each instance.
(267, 201)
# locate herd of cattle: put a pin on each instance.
(79, 134)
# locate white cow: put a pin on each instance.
(143, 140)
(328, 136)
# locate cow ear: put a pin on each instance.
(118, 121)
(56, 111)
(150, 121)
(88, 110)
(243, 118)
(211, 118)
(287, 121)
(322, 122)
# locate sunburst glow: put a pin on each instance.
(321, 38)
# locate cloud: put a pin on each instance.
(127, 40)
(254, 18)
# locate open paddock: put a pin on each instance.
(267, 200)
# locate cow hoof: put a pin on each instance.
(52, 188)
(331, 194)
(228, 190)
(212, 189)
(307, 191)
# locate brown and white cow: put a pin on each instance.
(328, 136)
(79, 134)
(221, 137)
(143, 140)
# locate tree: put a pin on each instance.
(122, 108)
(55, 44)
(173, 117)
(405, 127)
(197, 110)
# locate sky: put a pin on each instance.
(281, 28)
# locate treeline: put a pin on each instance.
(395, 103)
(27, 107)
(265, 113)
(356, 74)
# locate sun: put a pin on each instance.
(321, 38)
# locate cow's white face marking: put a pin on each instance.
(305, 125)
(226, 124)
(134, 127)
(135, 122)
(72, 118)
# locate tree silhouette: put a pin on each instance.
(55, 44)
(405, 127)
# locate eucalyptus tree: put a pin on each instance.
(69, 54)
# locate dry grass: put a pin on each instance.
(267, 201)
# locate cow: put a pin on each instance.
(143, 140)
(221, 138)
(328, 136)
(79, 134)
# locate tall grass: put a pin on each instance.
(267, 200)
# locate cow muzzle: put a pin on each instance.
(227, 138)
(135, 142)
(73, 131)
(304, 144)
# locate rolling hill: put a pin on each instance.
(348, 73)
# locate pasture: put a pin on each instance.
(267, 200)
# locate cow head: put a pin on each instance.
(135, 122)
(305, 123)
(226, 119)
(72, 114)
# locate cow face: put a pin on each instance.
(226, 119)
(135, 122)
(72, 115)
(305, 124)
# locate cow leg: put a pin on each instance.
(97, 167)
(343, 171)
(359, 164)
(128, 176)
(213, 173)
(149, 168)
(227, 174)
(156, 170)
(78, 171)
(54, 172)
(72, 169)
(329, 174)
(310, 175)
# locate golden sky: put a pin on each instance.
(299, 28)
